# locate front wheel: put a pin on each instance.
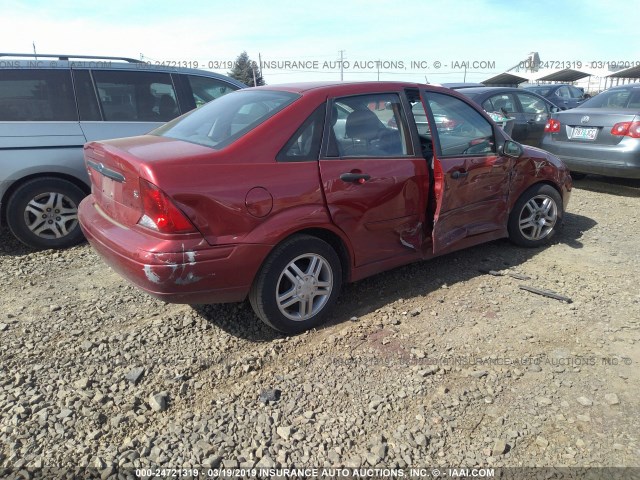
(536, 216)
(297, 285)
(43, 213)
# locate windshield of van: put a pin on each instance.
(226, 119)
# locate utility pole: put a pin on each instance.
(341, 66)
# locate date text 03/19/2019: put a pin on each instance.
(578, 64)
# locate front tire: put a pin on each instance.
(43, 213)
(297, 285)
(536, 216)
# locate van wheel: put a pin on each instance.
(297, 285)
(536, 216)
(43, 213)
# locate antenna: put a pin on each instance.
(34, 50)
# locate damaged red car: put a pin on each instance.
(283, 193)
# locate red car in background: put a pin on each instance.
(283, 193)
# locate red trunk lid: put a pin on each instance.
(116, 166)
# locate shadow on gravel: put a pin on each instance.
(624, 187)
(10, 246)
(358, 299)
(573, 228)
(238, 320)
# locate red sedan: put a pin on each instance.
(283, 193)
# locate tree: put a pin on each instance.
(245, 69)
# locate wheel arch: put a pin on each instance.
(514, 200)
(36, 176)
(334, 240)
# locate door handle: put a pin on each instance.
(458, 174)
(355, 177)
(531, 122)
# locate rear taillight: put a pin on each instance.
(626, 129)
(552, 126)
(160, 213)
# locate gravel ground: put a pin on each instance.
(436, 363)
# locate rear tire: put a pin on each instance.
(297, 285)
(43, 213)
(536, 216)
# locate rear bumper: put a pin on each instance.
(176, 271)
(622, 160)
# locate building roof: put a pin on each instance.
(567, 75)
(632, 72)
(505, 79)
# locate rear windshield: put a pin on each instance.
(468, 94)
(616, 98)
(539, 90)
(226, 119)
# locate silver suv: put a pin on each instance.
(50, 105)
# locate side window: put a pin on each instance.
(86, 96)
(462, 130)
(369, 126)
(503, 103)
(36, 96)
(563, 92)
(576, 92)
(531, 104)
(205, 89)
(305, 143)
(136, 96)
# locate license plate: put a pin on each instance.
(584, 133)
(108, 187)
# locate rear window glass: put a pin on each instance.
(617, 98)
(539, 90)
(468, 94)
(36, 96)
(221, 122)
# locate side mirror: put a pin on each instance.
(511, 149)
(554, 109)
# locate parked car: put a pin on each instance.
(601, 136)
(50, 105)
(563, 96)
(263, 194)
(529, 110)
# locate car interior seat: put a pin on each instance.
(168, 108)
(362, 127)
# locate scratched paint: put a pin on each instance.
(180, 273)
(150, 274)
(412, 238)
